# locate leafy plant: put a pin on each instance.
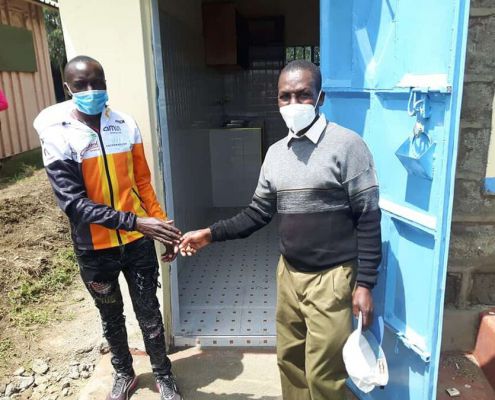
(56, 44)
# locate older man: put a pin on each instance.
(321, 180)
(95, 162)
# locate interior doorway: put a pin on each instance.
(221, 62)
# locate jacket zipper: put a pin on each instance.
(107, 170)
(140, 200)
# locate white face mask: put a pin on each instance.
(299, 116)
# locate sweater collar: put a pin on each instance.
(313, 134)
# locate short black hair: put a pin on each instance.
(77, 59)
(298, 65)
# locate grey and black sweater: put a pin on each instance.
(324, 187)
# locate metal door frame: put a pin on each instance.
(164, 160)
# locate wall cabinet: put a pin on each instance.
(231, 39)
(220, 32)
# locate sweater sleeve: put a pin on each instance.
(258, 214)
(361, 184)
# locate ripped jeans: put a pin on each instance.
(100, 271)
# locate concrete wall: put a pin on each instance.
(471, 273)
(27, 92)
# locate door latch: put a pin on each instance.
(417, 152)
(419, 105)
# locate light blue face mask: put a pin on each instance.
(90, 102)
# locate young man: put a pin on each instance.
(95, 162)
(321, 180)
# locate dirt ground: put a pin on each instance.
(45, 312)
(32, 230)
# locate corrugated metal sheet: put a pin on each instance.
(27, 93)
(50, 3)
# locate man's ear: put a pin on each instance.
(68, 92)
(322, 99)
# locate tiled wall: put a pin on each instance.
(193, 96)
(199, 98)
(252, 94)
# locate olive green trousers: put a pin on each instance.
(314, 311)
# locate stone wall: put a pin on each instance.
(471, 276)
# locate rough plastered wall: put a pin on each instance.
(471, 276)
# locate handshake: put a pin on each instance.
(172, 238)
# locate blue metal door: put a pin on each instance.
(393, 72)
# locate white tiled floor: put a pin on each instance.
(229, 288)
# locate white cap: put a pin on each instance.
(364, 359)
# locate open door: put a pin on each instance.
(393, 72)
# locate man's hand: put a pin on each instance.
(193, 241)
(170, 253)
(155, 228)
(362, 300)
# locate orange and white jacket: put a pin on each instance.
(101, 179)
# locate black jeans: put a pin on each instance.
(100, 270)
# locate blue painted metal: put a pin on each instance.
(490, 185)
(416, 155)
(393, 72)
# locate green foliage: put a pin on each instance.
(23, 171)
(25, 297)
(20, 166)
(28, 317)
(6, 349)
(56, 43)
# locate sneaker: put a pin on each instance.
(123, 386)
(167, 387)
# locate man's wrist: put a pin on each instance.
(217, 233)
(364, 285)
(137, 223)
(366, 279)
(209, 236)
